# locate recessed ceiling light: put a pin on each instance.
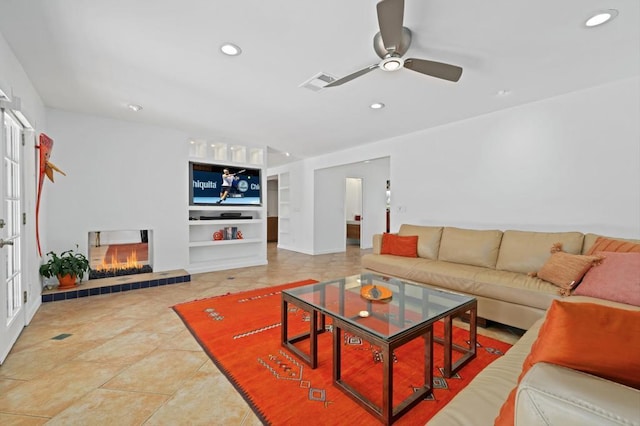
(230, 49)
(376, 105)
(504, 92)
(286, 154)
(134, 107)
(601, 17)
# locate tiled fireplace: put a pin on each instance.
(120, 261)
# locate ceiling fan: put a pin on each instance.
(392, 42)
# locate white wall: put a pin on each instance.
(566, 163)
(15, 82)
(120, 175)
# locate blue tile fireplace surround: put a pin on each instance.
(117, 284)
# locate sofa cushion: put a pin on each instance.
(399, 246)
(393, 265)
(552, 395)
(566, 270)
(428, 239)
(516, 288)
(617, 278)
(568, 336)
(609, 244)
(525, 251)
(470, 246)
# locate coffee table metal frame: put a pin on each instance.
(317, 312)
(314, 329)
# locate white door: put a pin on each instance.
(12, 312)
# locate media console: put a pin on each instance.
(226, 217)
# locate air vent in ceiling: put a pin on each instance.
(318, 81)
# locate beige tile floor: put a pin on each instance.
(129, 360)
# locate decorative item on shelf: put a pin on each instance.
(376, 293)
(67, 267)
(230, 233)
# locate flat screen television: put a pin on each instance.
(206, 185)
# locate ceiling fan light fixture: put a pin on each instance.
(601, 17)
(391, 64)
(230, 49)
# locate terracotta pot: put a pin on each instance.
(66, 281)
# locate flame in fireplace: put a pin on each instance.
(113, 264)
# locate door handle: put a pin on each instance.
(5, 243)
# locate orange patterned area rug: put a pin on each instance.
(241, 334)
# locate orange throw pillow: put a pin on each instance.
(566, 270)
(595, 339)
(608, 244)
(406, 246)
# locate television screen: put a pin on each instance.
(211, 186)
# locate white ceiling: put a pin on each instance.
(97, 56)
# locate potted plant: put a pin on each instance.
(67, 267)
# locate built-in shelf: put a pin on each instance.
(221, 152)
(207, 254)
(224, 222)
(226, 208)
(284, 210)
(224, 242)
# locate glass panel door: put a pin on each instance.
(12, 318)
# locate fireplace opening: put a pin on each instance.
(122, 252)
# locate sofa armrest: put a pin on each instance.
(554, 395)
(377, 243)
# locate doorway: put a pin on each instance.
(12, 309)
(353, 210)
(272, 209)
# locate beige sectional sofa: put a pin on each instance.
(548, 395)
(491, 265)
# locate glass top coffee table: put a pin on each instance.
(386, 312)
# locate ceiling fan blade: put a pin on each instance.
(390, 16)
(434, 69)
(350, 77)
